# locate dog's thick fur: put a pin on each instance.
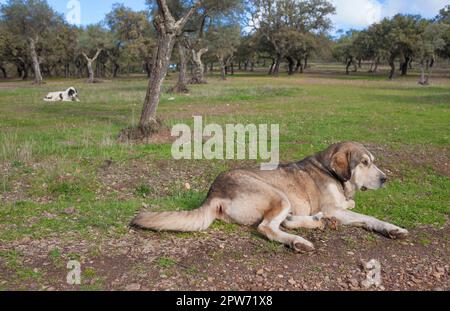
(71, 94)
(297, 195)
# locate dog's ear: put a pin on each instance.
(71, 92)
(340, 165)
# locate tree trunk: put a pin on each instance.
(90, 62)
(198, 77)
(165, 46)
(404, 66)
(252, 66)
(148, 68)
(232, 68)
(377, 62)
(5, 74)
(349, 63)
(299, 67)
(392, 64)
(223, 70)
(116, 68)
(305, 66)
(272, 67)
(291, 64)
(422, 80)
(35, 58)
(91, 78)
(276, 68)
(181, 86)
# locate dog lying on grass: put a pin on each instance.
(297, 195)
(71, 94)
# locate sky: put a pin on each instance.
(351, 14)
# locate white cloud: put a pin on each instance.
(426, 8)
(356, 13)
(359, 14)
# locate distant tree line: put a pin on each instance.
(36, 41)
(229, 34)
(403, 39)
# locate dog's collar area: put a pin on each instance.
(329, 172)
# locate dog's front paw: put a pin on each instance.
(398, 234)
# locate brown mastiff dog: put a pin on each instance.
(297, 195)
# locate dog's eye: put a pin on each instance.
(365, 162)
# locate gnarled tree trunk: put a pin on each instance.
(90, 62)
(181, 86)
(198, 70)
(168, 29)
(35, 58)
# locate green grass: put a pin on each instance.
(58, 150)
(165, 262)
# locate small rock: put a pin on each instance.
(292, 281)
(187, 186)
(260, 272)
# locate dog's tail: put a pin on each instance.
(186, 221)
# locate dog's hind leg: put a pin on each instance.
(270, 227)
(308, 222)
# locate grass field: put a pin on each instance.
(64, 178)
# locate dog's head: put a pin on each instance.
(352, 162)
(72, 92)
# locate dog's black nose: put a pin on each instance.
(383, 179)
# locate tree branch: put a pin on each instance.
(97, 54)
(182, 22)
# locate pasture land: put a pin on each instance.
(68, 189)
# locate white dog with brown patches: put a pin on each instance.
(70, 95)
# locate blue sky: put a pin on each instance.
(355, 14)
